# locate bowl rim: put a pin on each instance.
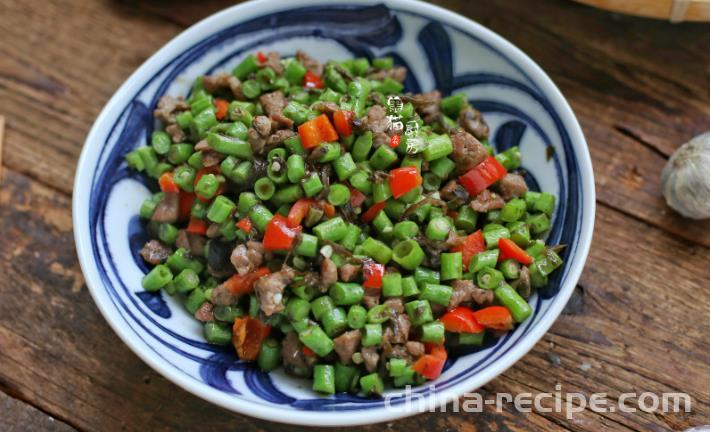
(253, 8)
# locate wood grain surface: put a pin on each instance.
(637, 322)
(19, 416)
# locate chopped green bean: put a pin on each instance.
(377, 250)
(433, 332)
(333, 229)
(295, 168)
(508, 297)
(439, 294)
(246, 67)
(392, 285)
(438, 228)
(217, 334)
(315, 338)
(157, 278)
(372, 384)
(195, 300)
(489, 278)
(419, 312)
(269, 355)
(324, 379)
(485, 259)
(220, 209)
(372, 335)
(338, 195)
(409, 287)
(378, 314)
(312, 185)
(346, 378)
(186, 281)
(346, 293)
(510, 269)
(264, 188)
(451, 266)
(362, 146)
(334, 321)
(357, 316)
(437, 147)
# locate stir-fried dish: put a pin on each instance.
(318, 218)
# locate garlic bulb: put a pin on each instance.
(685, 181)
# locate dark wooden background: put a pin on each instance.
(637, 322)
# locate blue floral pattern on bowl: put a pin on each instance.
(439, 55)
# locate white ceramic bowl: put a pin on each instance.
(442, 50)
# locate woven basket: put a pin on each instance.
(673, 10)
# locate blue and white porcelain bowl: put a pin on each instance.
(442, 50)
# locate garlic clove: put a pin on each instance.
(685, 181)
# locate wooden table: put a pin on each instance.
(637, 322)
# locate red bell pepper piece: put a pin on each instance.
(372, 272)
(197, 226)
(326, 129)
(370, 214)
(394, 141)
(278, 235)
(309, 134)
(436, 350)
(245, 224)
(316, 131)
(308, 352)
(343, 122)
(244, 284)
(311, 80)
(298, 211)
(187, 199)
(432, 363)
(478, 178)
(356, 198)
(461, 320)
(508, 249)
(167, 184)
(247, 335)
(403, 180)
(260, 57)
(472, 244)
(222, 106)
(494, 317)
(328, 208)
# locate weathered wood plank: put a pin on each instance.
(183, 14)
(52, 92)
(59, 354)
(628, 177)
(633, 316)
(18, 416)
(2, 138)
